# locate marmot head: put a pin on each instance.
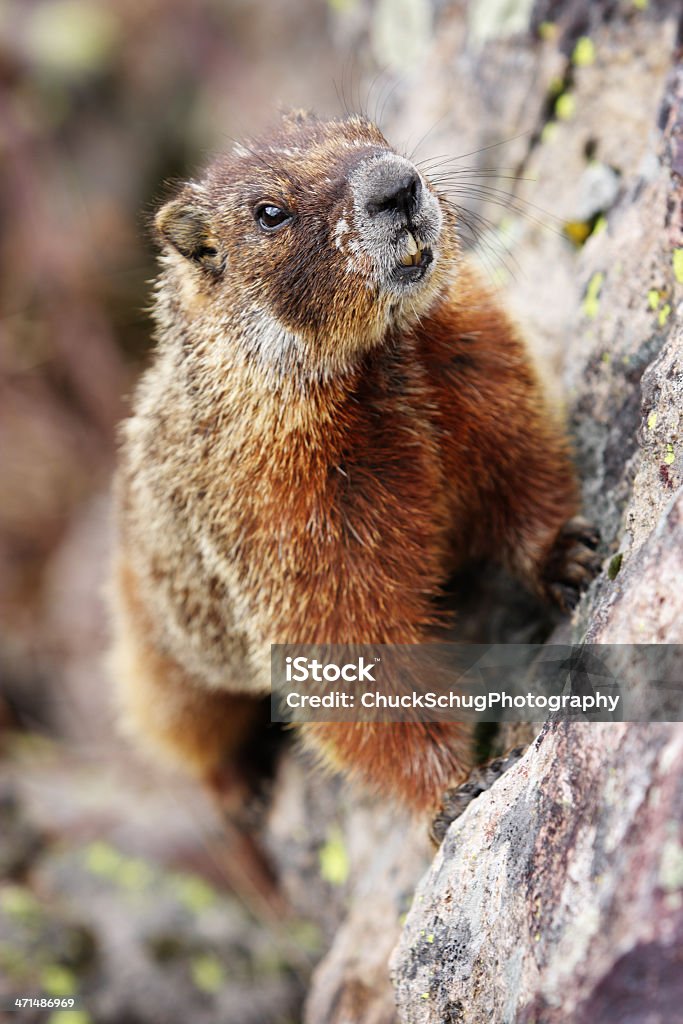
(308, 245)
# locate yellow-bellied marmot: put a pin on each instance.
(337, 415)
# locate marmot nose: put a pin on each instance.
(401, 194)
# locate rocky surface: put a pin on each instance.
(557, 897)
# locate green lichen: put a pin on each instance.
(128, 872)
(565, 106)
(591, 303)
(664, 314)
(677, 260)
(600, 225)
(58, 981)
(334, 861)
(670, 455)
(18, 902)
(134, 874)
(102, 859)
(193, 892)
(208, 973)
(584, 52)
(652, 420)
(70, 1017)
(615, 566)
(653, 298)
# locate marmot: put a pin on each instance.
(337, 415)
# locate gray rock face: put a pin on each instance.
(558, 896)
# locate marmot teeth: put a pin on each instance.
(413, 256)
(413, 247)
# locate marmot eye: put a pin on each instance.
(270, 217)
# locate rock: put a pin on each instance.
(558, 895)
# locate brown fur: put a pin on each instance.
(319, 489)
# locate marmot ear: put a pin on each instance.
(186, 226)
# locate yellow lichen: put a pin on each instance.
(577, 231)
(334, 860)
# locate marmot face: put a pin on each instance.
(309, 245)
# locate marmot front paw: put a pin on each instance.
(573, 563)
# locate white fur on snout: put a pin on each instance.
(341, 228)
